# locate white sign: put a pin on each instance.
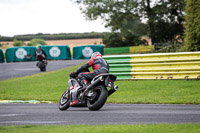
(87, 52)
(21, 53)
(54, 51)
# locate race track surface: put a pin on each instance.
(46, 114)
(20, 69)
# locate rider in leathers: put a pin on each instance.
(99, 66)
(38, 50)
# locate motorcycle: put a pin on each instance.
(41, 61)
(93, 97)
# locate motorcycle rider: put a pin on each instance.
(41, 51)
(99, 66)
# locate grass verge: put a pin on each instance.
(49, 86)
(147, 128)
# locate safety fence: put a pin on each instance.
(1, 56)
(27, 53)
(85, 52)
(128, 50)
(183, 65)
(58, 52)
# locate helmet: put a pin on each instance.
(96, 55)
(38, 46)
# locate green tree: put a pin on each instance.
(34, 42)
(192, 25)
(18, 43)
(164, 17)
(116, 39)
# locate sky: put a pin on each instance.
(19, 17)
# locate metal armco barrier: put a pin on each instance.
(182, 65)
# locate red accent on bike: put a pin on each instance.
(85, 81)
(73, 102)
(75, 85)
(86, 72)
(72, 88)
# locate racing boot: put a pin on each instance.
(82, 89)
(83, 84)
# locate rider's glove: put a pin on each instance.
(73, 74)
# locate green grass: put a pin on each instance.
(49, 86)
(44, 86)
(147, 128)
(158, 91)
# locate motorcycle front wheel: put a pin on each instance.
(99, 98)
(64, 101)
(43, 69)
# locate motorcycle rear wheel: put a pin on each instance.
(64, 101)
(43, 69)
(99, 100)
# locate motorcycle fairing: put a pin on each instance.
(74, 101)
(109, 79)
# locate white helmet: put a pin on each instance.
(96, 55)
(38, 46)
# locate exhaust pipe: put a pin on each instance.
(111, 91)
(93, 84)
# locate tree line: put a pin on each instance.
(164, 21)
(61, 36)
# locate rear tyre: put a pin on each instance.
(99, 99)
(64, 101)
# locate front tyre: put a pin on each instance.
(99, 99)
(43, 69)
(64, 101)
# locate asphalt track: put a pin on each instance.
(48, 114)
(20, 69)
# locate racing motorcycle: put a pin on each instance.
(41, 61)
(93, 97)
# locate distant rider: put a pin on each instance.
(40, 52)
(99, 66)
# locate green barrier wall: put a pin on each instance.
(1, 56)
(85, 52)
(180, 65)
(61, 52)
(132, 50)
(18, 54)
(119, 50)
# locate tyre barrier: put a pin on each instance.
(1, 56)
(27, 53)
(57, 52)
(182, 65)
(85, 52)
(17, 54)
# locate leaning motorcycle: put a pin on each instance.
(41, 61)
(93, 97)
